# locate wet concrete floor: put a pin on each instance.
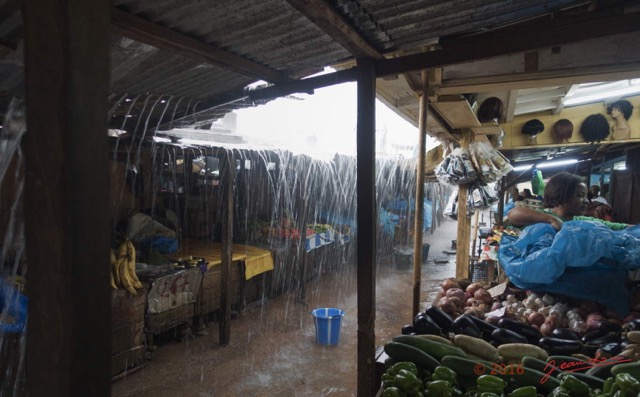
(273, 351)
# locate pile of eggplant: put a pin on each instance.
(541, 321)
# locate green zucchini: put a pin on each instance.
(467, 367)
(530, 362)
(632, 369)
(403, 352)
(569, 363)
(601, 371)
(532, 377)
(436, 338)
(592, 381)
(436, 350)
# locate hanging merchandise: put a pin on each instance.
(451, 209)
(456, 168)
(562, 131)
(620, 111)
(537, 182)
(533, 128)
(481, 196)
(490, 164)
(594, 128)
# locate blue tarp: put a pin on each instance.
(585, 260)
(12, 304)
(400, 205)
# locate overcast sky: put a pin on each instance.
(328, 117)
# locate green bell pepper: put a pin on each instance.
(608, 385)
(408, 365)
(489, 394)
(407, 381)
(559, 392)
(439, 388)
(573, 385)
(526, 391)
(627, 385)
(471, 392)
(393, 392)
(490, 383)
(388, 380)
(445, 373)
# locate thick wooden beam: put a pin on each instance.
(545, 34)
(333, 24)
(66, 206)
(419, 212)
(366, 221)
(139, 29)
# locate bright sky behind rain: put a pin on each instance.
(324, 123)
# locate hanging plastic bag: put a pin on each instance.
(456, 169)
(451, 209)
(489, 162)
(537, 183)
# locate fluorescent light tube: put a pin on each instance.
(548, 164)
(576, 100)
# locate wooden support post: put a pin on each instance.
(227, 248)
(464, 224)
(66, 200)
(366, 221)
(419, 213)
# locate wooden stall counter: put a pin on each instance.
(247, 263)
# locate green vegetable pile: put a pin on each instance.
(405, 379)
(320, 227)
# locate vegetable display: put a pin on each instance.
(515, 344)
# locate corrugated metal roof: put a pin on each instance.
(273, 34)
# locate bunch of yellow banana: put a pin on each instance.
(123, 268)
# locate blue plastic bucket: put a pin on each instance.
(328, 322)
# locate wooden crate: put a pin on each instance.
(127, 308)
(168, 319)
(127, 336)
(127, 320)
(126, 360)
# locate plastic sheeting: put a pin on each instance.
(585, 260)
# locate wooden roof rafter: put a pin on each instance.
(325, 17)
(144, 31)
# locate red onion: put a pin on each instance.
(456, 301)
(536, 319)
(450, 283)
(447, 306)
(483, 295)
(548, 327)
(472, 302)
(473, 287)
(457, 292)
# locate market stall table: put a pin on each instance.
(247, 263)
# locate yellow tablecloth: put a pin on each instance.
(256, 260)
